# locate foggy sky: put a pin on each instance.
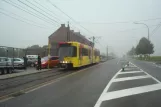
(100, 17)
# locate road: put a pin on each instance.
(102, 85)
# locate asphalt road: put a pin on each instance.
(81, 89)
(102, 85)
(12, 85)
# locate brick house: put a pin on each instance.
(65, 34)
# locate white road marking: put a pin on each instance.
(131, 78)
(3, 100)
(130, 72)
(130, 91)
(118, 61)
(158, 66)
(127, 92)
(148, 74)
(98, 103)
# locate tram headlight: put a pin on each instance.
(65, 61)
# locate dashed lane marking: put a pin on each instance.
(130, 72)
(118, 61)
(130, 91)
(98, 103)
(147, 74)
(127, 92)
(158, 66)
(131, 78)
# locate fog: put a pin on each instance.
(110, 21)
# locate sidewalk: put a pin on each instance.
(22, 73)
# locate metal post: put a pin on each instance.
(145, 25)
(107, 51)
(93, 39)
(13, 58)
(68, 35)
(49, 46)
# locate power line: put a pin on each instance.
(20, 20)
(73, 26)
(47, 9)
(68, 16)
(23, 17)
(27, 11)
(153, 32)
(41, 10)
(121, 22)
(37, 11)
(135, 28)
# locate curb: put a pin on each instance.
(23, 74)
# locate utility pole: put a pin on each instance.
(144, 25)
(107, 51)
(49, 47)
(68, 32)
(92, 45)
(93, 40)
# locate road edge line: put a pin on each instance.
(99, 101)
(147, 73)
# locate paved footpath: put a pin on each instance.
(22, 73)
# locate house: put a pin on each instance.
(64, 34)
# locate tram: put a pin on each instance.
(75, 55)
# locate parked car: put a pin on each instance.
(31, 59)
(53, 61)
(6, 65)
(31, 62)
(18, 63)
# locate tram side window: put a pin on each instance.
(96, 53)
(89, 53)
(84, 52)
(74, 51)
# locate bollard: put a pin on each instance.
(123, 69)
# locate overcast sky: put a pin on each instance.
(100, 17)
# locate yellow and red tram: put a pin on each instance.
(75, 54)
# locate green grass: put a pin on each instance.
(152, 58)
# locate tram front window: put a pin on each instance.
(67, 51)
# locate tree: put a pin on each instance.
(45, 47)
(132, 52)
(36, 49)
(34, 46)
(144, 47)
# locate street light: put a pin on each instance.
(145, 25)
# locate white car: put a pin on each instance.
(18, 63)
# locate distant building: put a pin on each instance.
(65, 34)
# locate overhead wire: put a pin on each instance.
(154, 31)
(72, 26)
(70, 17)
(47, 10)
(20, 20)
(27, 11)
(119, 22)
(23, 18)
(41, 10)
(38, 11)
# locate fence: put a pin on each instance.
(11, 52)
(20, 52)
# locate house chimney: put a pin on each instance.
(62, 25)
